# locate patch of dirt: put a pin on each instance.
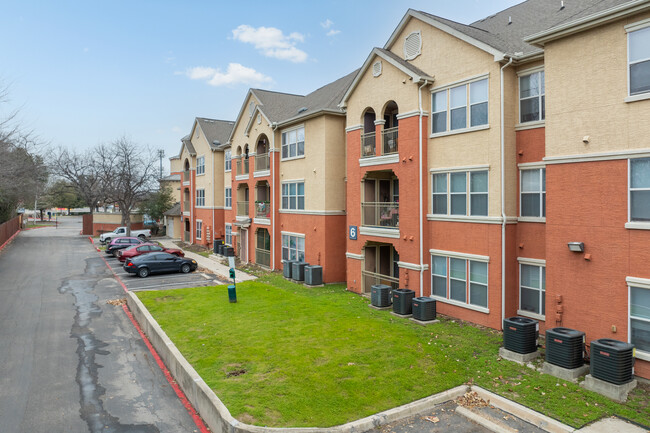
(471, 399)
(193, 247)
(247, 418)
(117, 302)
(236, 373)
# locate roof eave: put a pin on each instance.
(588, 22)
(303, 117)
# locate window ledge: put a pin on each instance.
(292, 158)
(640, 97)
(227, 171)
(530, 125)
(642, 355)
(532, 315)
(465, 218)
(201, 174)
(532, 220)
(461, 304)
(637, 225)
(460, 131)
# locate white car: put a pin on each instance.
(106, 238)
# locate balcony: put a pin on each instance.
(262, 209)
(262, 162)
(242, 167)
(263, 257)
(384, 214)
(389, 141)
(368, 145)
(186, 176)
(371, 278)
(186, 206)
(242, 208)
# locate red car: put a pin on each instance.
(148, 247)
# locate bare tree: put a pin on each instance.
(83, 171)
(128, 175)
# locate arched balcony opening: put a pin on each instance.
(262, 200)
(380, 200)
(262, 154)
(380, 265)
(242, 161)
(368, 136)
(389, 133)
(186, 171)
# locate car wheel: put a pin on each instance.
(142, 237)
(143, 272)
(115, 253)
(107, 241)
(185, 268)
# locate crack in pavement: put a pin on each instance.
(88, 347)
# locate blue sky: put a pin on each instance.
(89, 72)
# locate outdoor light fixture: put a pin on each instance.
(576, 247)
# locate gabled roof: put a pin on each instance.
(215, 130)
(171, 178)
(174, 211)
(414, 72)
(187, 143)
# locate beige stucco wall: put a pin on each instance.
(586, 87)
(202, 148)
(175, 165)
(114, 218)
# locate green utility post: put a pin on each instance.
(232, 289)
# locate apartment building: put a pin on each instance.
(481, 156)
(201, 159)
(287, 175)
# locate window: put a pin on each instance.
(199, 229)
(228, 239)
(473, 95)
(639, 60)
(640, 189)
(200, 165)
(228, 203)
(200, 197)
(228, 160)
(293, 248)
(450, 195)
(532, 289)
(293, 143)
(293, 195)
(533, 193)
(531, 97)
(640, 317)
(461, 280)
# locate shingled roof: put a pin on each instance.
(215, 130)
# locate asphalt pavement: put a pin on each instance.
(70, 361)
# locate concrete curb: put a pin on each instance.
(478, 419)
(216, 414)
(522, 412)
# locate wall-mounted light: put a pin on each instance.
(576, 247)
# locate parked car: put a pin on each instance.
(122, 243)
(158, 263)
(106, 238)
(146, 248)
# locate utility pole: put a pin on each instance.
(161, 154)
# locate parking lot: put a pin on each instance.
(179, 280)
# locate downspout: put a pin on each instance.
(274, 126)
(214, 202)
(503, 203)
(426, 82)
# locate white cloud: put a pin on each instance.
(176, 129)
(333, 32)
(272, 42)
(235, 74)
(327, 24)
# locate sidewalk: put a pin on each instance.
(212, 263)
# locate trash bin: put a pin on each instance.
(298, 271)
(216, 244)
(229, 252)
(287, 265)
(232, 293)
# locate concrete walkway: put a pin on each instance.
(212, 263)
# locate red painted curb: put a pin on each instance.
(9, 240)
(179, 392)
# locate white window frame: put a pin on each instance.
(228, 234)
(638, 223)
(200, 165)
(468, 260)
(227, 160)
(631, 29)
(542, 95)
(540, 264)
(299, 239)
(542, 192)
(200, 197)
(643, 284)
(199, 229)
(468, 191)
(288, 196)
(287, 145)
(228, 197)
(468, 104)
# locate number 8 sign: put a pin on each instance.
(353, 233)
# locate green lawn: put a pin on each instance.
(289, 356)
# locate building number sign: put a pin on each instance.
(353, 233)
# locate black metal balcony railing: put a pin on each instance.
(262, 209)
(186, 176)
(371, 278)
(367, 144)
(262, 162)
(389, 141)
(242, 208)
(263, 257)
(380, 214)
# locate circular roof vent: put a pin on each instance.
(412, 45)
(376, 69)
